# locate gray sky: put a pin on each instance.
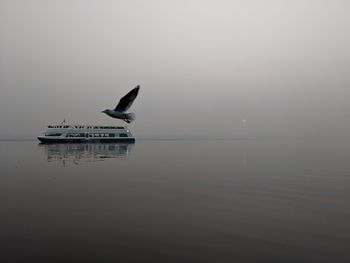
(203, 66)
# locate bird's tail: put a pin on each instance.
(130, 117)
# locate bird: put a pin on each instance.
(124, 104)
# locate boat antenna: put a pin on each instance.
(64, 121)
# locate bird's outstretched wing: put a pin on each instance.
(125, 102)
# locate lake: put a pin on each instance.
(262, 200)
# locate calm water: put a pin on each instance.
(175, 201)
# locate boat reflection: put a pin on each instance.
(85, 152)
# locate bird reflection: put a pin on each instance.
(85, 152)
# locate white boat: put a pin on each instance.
(86, 133)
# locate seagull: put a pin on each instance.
(124, 104)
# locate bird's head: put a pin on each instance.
(106, 111)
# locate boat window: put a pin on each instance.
(111, 135)
(73, 135)
(123, 135)
(53, 134)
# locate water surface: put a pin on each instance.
(175, 201)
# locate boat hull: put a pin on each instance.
(85, 140)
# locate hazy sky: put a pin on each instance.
(203, 66)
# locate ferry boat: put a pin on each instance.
(86, 133)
